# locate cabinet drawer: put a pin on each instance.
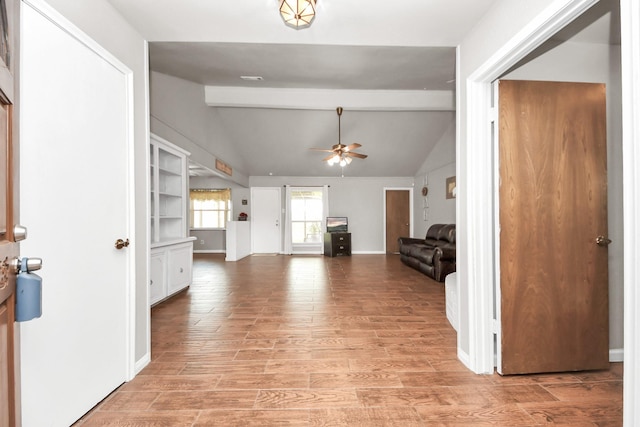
(342, 250)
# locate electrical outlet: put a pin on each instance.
(202, 242)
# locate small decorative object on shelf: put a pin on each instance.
(242, 217)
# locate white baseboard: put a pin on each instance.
(210, 251)
(616, 355)
(228, 259)
(142, 363)
(464, 358)
(368, 252)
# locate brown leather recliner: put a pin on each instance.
(435, 255)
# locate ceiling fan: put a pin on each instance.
(340, 153)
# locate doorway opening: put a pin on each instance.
(307, 218)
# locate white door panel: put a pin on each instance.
(266, 218)
(75, 185)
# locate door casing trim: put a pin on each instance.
(481, 233)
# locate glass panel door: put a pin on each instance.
(306, 219)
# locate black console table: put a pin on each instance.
(337, 244)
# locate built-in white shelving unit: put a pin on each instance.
(171, 247)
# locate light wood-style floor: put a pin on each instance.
(315, 341)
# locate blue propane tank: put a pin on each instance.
(28, 292)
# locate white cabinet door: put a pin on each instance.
(158, 282)
(179, 264)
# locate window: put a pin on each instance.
(306, 216)
(210, 208)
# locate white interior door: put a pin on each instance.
(75, 178)
(266, 218)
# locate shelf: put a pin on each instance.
(171, 251)
(169, 172)
(169, 191)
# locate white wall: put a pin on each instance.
(102, 23)
(434, 172)
(179, 114)
(595, 63)
(359, 199)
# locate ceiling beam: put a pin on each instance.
(328, 99)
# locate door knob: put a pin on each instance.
(602, 241)
(19, 233)
(122, 243)
(16, 265)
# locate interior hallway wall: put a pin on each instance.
(440, 165)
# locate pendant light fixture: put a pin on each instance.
(298, 14)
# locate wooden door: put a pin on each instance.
(9, 249)
(398, 218)
(266, 208)
(75, 142)
(553, 206)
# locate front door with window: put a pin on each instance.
(306, 220)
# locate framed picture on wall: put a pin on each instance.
(451, 187)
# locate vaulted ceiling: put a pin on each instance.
(391, 65)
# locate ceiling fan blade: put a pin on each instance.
(330, 156)
(321, 149)
(352, 146)
(358, 155)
